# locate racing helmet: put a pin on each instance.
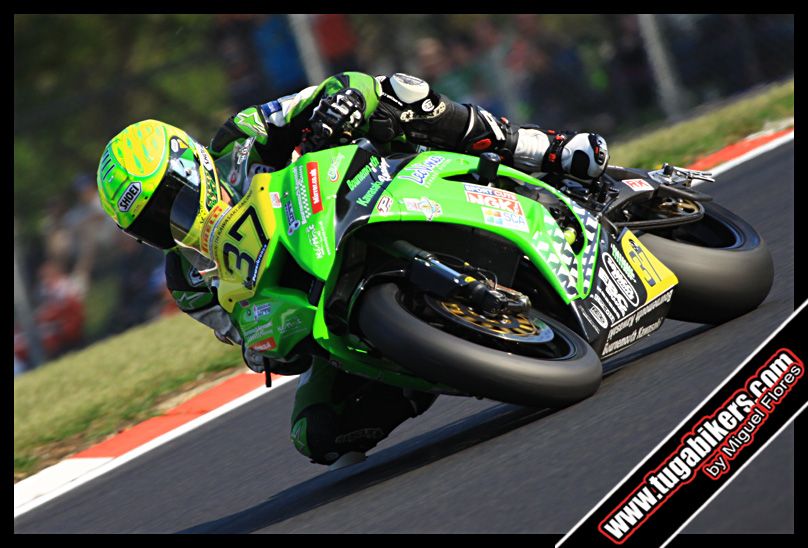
(153, 180)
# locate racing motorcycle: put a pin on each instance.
(453, 274)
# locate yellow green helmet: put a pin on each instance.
(142, 172)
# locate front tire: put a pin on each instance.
(438, 356)
(723, 265)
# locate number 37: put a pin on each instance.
(243, 257)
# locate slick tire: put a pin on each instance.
(478, 370)
(722, 263)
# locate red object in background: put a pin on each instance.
(60, 323)
(335, 36)
(169, 305)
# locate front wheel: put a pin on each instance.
(525, 360)
(722, 263)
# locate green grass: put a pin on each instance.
(70, 403)
(66, 405)
(685, 142)
(100, 305)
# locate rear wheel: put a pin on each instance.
(723, 266)
(527, 359)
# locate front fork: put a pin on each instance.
(425, 272)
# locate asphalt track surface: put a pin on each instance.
(470, 466)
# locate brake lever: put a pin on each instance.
(671, 175)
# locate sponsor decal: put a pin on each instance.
(585, 316)
(638, 184)
(491, 191)
(382, 172)
(313, 176)
(620, 280)
(384, 205)
(210, 222)
(615, 297)
(265, 345)
(291, 325)
(302, 195)
(382, 176)
(427, 106)
(318, 241)
(291, 221)
(505, 219)
(333, 170)
(258, 331)
(597, 313)
(602, 304)
(204, 158)
(623, 264)
(636, 317)
(129, 196)
(275, 198)
(429, 208)
(363, 173)
(634, 336)
(498, 202)
(261, 310)
(211, 197)
(420, 172)
(368, 196)
(175, 145)
(259, 258)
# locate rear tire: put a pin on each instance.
(723, 266)
(478, 370)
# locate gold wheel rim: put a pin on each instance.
(513, 327)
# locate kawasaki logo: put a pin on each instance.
(129, 196)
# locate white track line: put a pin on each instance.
(754, 153)
(66, 477)
(71, 473)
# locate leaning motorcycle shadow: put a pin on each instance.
(406, 456)
(380, 466)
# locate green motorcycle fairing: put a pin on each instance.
(284, 238)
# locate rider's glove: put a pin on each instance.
(291, 365)
(254, 359)
(336, 117)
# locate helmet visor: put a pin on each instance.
(183, 217)
(150, 226)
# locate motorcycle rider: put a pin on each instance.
(149, 163)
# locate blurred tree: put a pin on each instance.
(79, 79)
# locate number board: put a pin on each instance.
(655, 276)
(242, 239)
